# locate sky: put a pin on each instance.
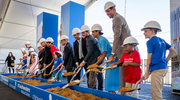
(137, 14)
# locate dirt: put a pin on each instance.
(93, 66)
(124, 89)
(74, 95)
(14, 76)
(50, 81)
(34, 82)
(33, 76)
(96, 70)
(73, 83)
(68, 73)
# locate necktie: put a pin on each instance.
(80, 49)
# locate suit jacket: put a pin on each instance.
(121, 31)
(76, 50)
(47, 55)
(68, 56)
(92, 50)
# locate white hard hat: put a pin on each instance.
(108, 5)
(25, 55)
(49, 39)
(96, 27)
(27, 42)
(130, 40)
(42, 40)
(58, 52)
(22, 49)
(75, 31)
(152, 25)
(31, 49)
(34, 53)
(64, 37)
(39, 45)
(85, 28)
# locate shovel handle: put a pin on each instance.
(76, 73)
(85, 74)
(58, 72)
(135, 87)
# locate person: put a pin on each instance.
(156, 60)
(10, 61)
(49, 43)
(32, 67)
(24, 64)
(80, 50)
(92, 54)
(112, 80)
(23, 52)
(42, 42)
(68, 55)
(28, 45)
(40, 56)
(56, 67)
(131, 62)
(29, 57)
(53, 48)
(47, 57)
(121, 31)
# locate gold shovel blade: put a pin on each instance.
(93, 66)
(68, 73)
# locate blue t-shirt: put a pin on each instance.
(104, 45)
(25, 63)
(56, 63)
(157, 47)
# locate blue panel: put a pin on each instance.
(78, 21)
(65, 18)
(50, 27)
(72, 15)
(39, 18)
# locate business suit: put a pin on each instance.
(76, 54)
(92, 54)
(68, 57)
(121, 31)
(47, 58)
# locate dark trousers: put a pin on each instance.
(69, 77)
(47, 71)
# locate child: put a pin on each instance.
(34, 64)
(57, 65)
(131, 62)
(156, 60)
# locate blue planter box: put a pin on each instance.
(38, 92)
(85, 90)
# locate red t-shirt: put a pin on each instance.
(131, 73)
(53, 49)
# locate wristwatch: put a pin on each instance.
(113, 54)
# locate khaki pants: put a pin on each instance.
(157, 83)
(122, 82)
(134, 93)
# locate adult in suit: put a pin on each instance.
(121, 31)
(80, 50)
(68, 55)
(92, 54)
(47, 57)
